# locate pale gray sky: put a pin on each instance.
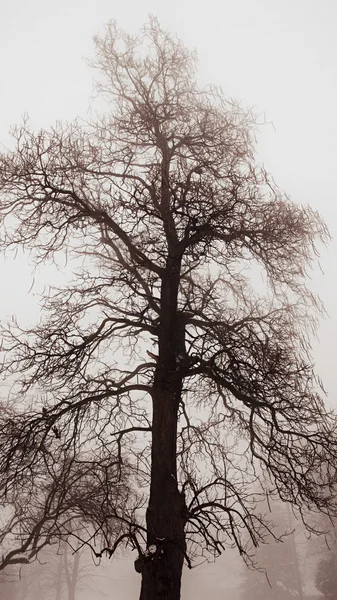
(277, 55)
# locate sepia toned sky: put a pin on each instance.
(279, 56)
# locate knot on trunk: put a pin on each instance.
(139, 564)
(153, 553)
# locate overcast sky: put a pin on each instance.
(279, 56)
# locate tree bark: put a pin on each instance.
(161, 566)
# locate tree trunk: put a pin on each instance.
(161, 566)
(74, 577)
(71, 572)
(59, 578)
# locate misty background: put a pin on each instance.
(277, 56)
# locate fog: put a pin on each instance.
(278, 56)
(282, 570)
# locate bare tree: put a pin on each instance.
(56, 573)
(51, 493)
(325, 577)
(179, 356)
(8, 586)
(276, 573)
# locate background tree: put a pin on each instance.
(58, 497)
(58, 573)
(326, 578)
(8, 586)
(322, 556)
(277, 574)
(168, 360)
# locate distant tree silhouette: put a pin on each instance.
(276, 576)
(326, 575)
(159, 379)
(324, 553)
(8, 586)
(57, 574)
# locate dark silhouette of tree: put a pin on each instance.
(58, 496)
(168, 367)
